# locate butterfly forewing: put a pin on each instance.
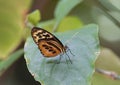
(48, 44)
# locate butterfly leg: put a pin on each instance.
(69, 58)
(58, 62)
(70, 51)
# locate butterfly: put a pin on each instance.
(48, 44)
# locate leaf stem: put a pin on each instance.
(110, 74)
(28, 24)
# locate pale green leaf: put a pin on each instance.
(83, 43)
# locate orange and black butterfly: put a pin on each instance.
(48, 44)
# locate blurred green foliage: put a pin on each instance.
(11, 25)
(103, 12)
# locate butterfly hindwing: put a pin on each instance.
(48, 50)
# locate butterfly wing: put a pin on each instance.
(48, 44)
(48, 50)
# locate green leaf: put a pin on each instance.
(9, 61)
(11, 25)
(34, 17)
(83, 43)
(63, 8)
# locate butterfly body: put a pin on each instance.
(47, 43)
